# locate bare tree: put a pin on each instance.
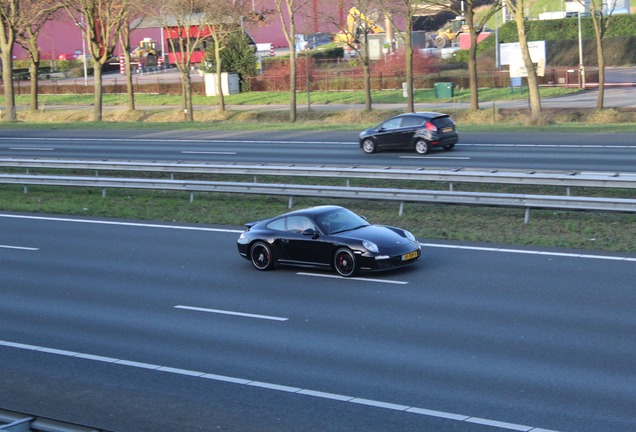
(133, 18)
(601, 22)
(474, 24)
(518, 9)
(225, 17)
(287, 10)
(101, 21)
(405, 9)
(10, 19)
(185, 22)
(36, 15)
(354, 34)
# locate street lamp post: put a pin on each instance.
(581, 67)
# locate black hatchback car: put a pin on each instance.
(421, 131)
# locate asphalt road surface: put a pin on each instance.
(545, 151)
(139, 327)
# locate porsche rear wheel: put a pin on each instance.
(261, 256)
(345, 262)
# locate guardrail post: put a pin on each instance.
(291, 202)
(401, 212)
(191, 197)
(526, 219)
(568, 191)
(450, 187)
(26, 190)
(103, 192)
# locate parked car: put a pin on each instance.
(329, 237)
(421, 131)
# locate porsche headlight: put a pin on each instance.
(409, 235)
(370, 246)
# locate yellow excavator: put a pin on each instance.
(357, 25)
(449, 34)
(146, 53)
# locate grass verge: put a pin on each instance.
(611, 232)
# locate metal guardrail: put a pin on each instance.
(464, 175)
(401, 195)
(20, 422)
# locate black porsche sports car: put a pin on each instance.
(327, 237)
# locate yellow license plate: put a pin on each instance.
(409, 256)
(448, 129)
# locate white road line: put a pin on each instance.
(209, 152)
(532, 252)
(32, 148)
(226, 312)
(132, 224)
(227, 230)
(436, 157)
(353, 278)
(279, 387)
(19, 248)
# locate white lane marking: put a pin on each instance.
(352, 278)
(532, 252)
(32, 148)
(19, 247)
(278, 387)
(175, 140)
(548, 145)
(133, 224)
(436, 157)
(226, 312)
(209, 152)
(226, 230)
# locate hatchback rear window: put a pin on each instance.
(443, 121)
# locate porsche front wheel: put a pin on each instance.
(345, 262)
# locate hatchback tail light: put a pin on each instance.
(430, 126)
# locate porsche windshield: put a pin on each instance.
(339, 220)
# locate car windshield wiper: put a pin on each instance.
(350, 229)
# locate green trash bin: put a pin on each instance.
(444, 90)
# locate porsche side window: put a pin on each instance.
(298, 224)
(278, 225)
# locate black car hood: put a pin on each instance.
(378, 234)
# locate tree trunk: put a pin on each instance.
(33, 72)
(97, 76)
(292, 82)
(7, 78)
(601, 72)
(219, 83)
(186, 85)
(366, 67)
(533, 86)
(472, 60)
(125, 45)
(410, 104)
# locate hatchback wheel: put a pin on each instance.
(261, 256)
(368, 146)
(345, 262)
(421, 146)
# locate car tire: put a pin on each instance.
(368, 146)
(345, 262)
(261, 256)
(449, 146)
(422, 146)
